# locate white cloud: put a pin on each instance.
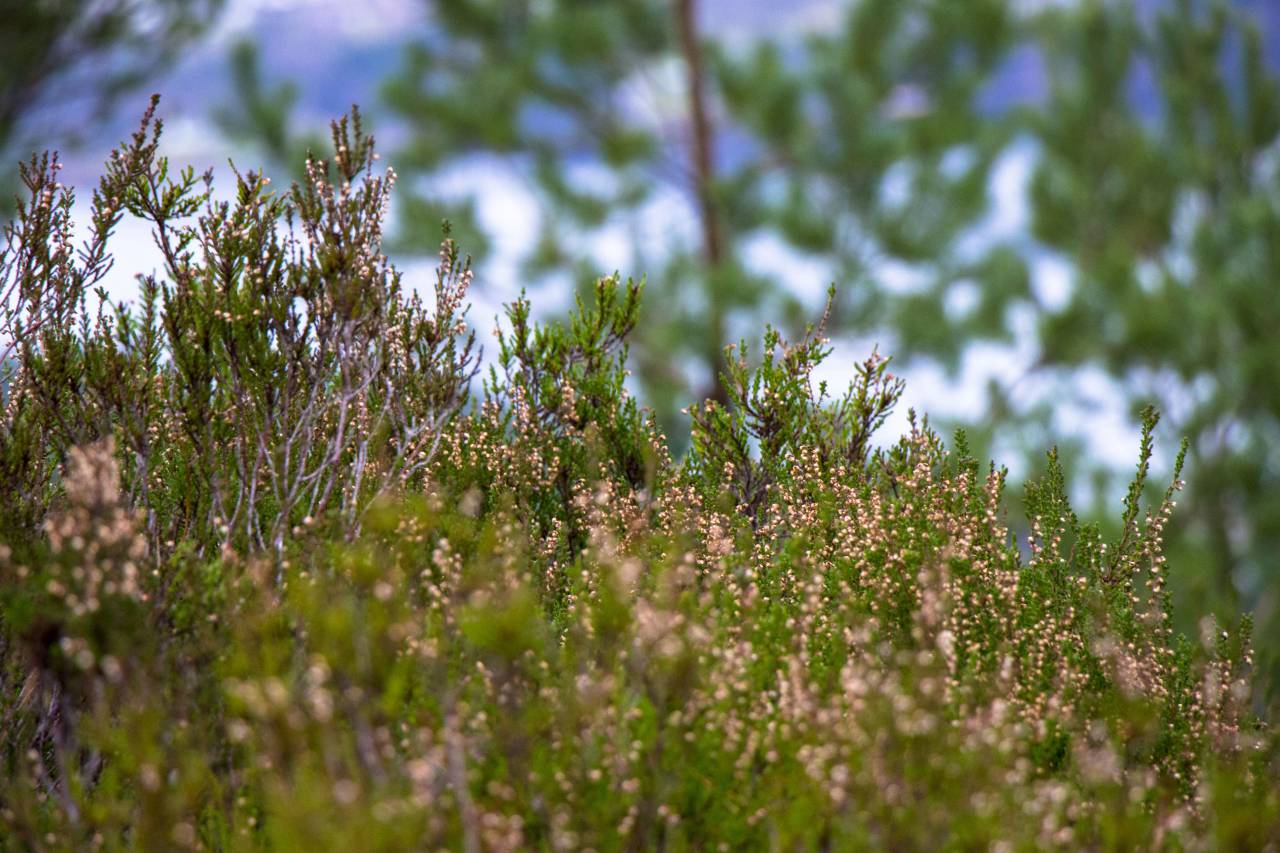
(338, 20)
(1051, 279)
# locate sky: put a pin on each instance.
(337, 51)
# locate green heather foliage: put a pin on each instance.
(885, 141)
(276, 574)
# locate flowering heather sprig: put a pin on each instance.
(280, 374)
(271, 577)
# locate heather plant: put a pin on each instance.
(888, 140)
(277, 574)
(276, 372)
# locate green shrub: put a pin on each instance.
(276, 575)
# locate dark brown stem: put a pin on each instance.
(702, 145)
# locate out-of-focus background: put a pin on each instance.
(1050, 212)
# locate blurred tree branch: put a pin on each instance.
(64, 63)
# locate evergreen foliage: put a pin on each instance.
(277, 575)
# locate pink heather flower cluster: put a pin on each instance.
(275, 575)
